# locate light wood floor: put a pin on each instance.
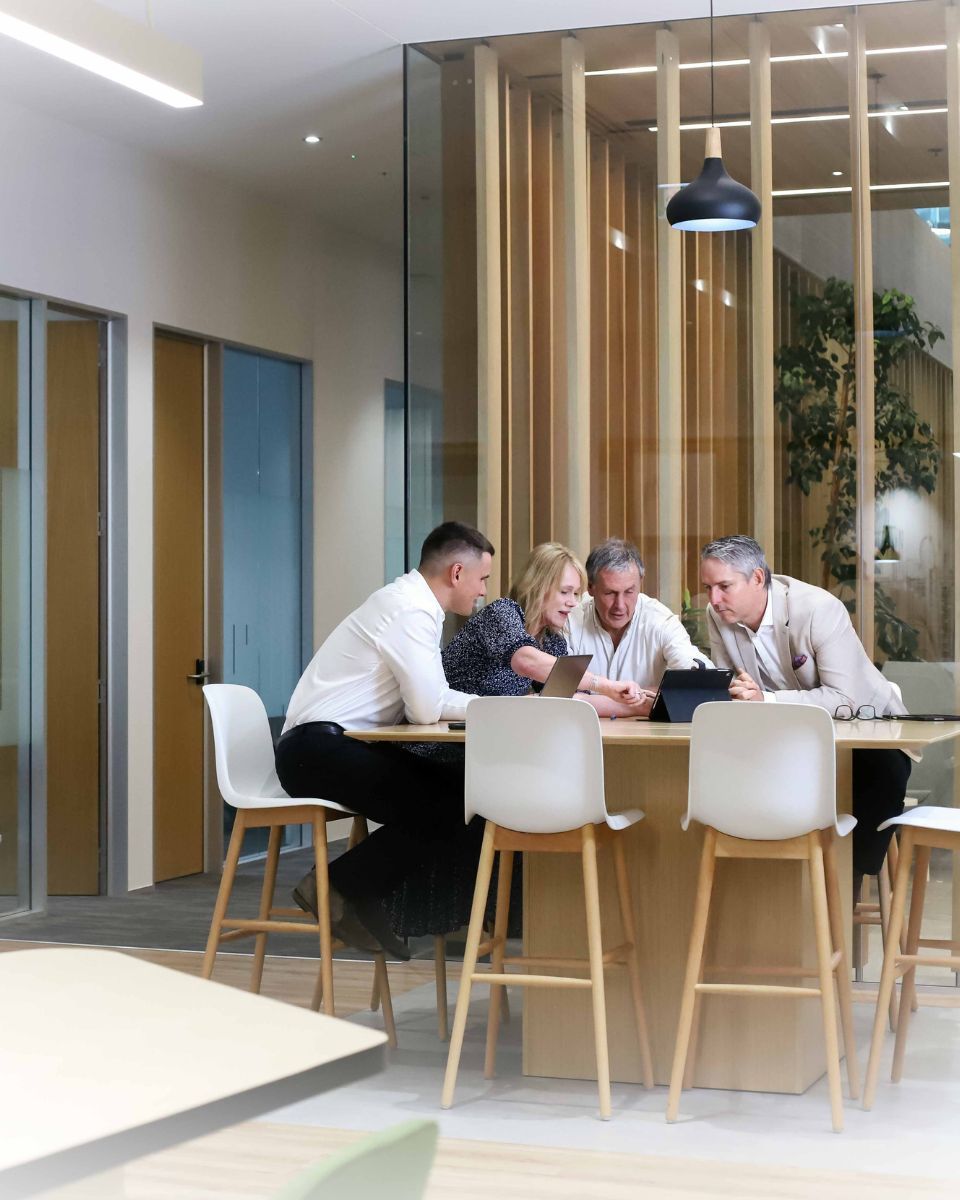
(254, 1160)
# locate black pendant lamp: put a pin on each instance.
(713, 203)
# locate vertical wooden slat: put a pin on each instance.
(458, 477)
(542, 317)
(508, 476)
(599, 325)
(863, 317)
(649, 367)
(670, 328)
(487, 107)
(616, 254)
(761, 177)
(521, 354)
(558, 417)
(576, 296)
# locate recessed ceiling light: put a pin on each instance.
(837, 172)
(312, 138)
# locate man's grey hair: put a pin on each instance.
(613, 555)
(740, 552)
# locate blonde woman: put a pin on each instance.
(514, 642)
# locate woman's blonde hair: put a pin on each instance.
(540, 576)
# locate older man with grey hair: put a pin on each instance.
(629, 634)
(792, 642)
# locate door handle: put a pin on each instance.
(201, 674)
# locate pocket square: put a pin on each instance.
(798, 661)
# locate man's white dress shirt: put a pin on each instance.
(380, 664)
(772, 672)
(654, 640)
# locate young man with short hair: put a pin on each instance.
(381, 665)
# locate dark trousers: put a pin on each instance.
(879, 786)
(419, 803)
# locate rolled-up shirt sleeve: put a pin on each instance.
(410, 646)
(678, 650)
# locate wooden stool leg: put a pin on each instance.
(591, 893)
(358, 831)
(383, 987)
(893, 859)
(828, 840)
(266, 903)
(828, 1005)
(496, 960)
(633, 958)
(480, 891)
(889, 973)
(440, 970)
(884, 895)
(323, 910)
(908, 988)
(698, 934)
(223, 893)
(690, 1071)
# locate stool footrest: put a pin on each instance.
(288, 912)
(564, 964)
(563, 981)
(755, 989)
(256, 926)
(950, 961)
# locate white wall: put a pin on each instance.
(98, 223)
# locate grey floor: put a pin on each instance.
(176, 915)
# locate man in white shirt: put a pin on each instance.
(629, 634)
(380, 665)
(793, 642)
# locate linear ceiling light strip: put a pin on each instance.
(93, 37)
(815, 56)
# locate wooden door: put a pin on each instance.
(178, 607)
(73, 607)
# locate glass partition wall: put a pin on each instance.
(577, 369)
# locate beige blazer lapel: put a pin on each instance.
(781, 629)
(748, 656)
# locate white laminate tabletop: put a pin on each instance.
(851, 735)
(104, 1057)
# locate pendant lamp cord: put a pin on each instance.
(712, 61)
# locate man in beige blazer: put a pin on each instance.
(793, 642)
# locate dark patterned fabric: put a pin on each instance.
(437, 899)
(478, 658)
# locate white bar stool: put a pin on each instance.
(248, 781)
(535, 773)
(763, 782)
(922, 829)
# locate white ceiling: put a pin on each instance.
(275, 70)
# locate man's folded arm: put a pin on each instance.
(409, 647)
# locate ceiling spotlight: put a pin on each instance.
(312, 138)
(837, 172)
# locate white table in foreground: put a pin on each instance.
(105, 1058)
(762, 917)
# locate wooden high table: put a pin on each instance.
(761, 915)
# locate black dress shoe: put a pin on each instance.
(370, 913)
(344, 924)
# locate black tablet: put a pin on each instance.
(680, 692)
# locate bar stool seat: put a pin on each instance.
(922, 829)
(248, 782)
(535, 773)
(763, 783)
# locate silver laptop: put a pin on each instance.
(564, 678)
